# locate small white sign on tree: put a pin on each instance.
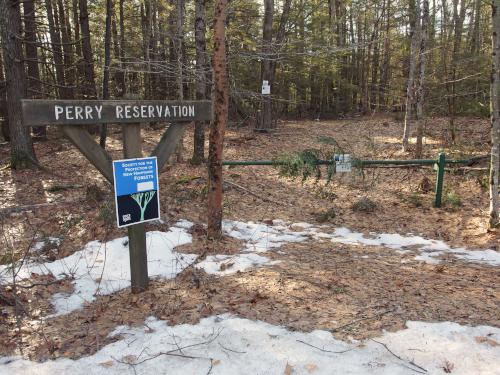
(266, 88)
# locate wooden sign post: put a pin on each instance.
(72, 114)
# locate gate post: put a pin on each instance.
(136, 233)
(441, 162)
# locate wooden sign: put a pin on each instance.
(70, 114)
(84, 112)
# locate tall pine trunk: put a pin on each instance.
(69, 74)
(3, 106)
(410, 89)
(22, 154)
(216, 137)
(55, 39)
(495, 115)
(201, 79)
(424, 33)
(107, 60)
(266, 120)
(90, 90)
(34, 83)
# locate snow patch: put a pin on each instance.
(228, 264)
(232, 345)
(430, 249)
(103, 268)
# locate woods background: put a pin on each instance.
(323, 58)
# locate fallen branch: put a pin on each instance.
(255, 194)
(324, 350)
(174, 353)
(423, 370)
(230, 350)
(30, 286)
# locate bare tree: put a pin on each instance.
(22, 154)
(216, 137)
(495, 115)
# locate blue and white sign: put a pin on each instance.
(136, 190)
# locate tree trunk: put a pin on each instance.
(180, 55)
(4, 122)
(201, 79)
(33, 82)
(107, 59)
(90, 90)
(410, 90)
(79, 77)
(475, 42)
(67, 49)
(119, 73)
(266, 120)
(279, 41)
(89, 86)
(22, 154)
(495, 115)
(122, 49)
(385, 67)
(421, 82)
(55, 38)
(216, 137)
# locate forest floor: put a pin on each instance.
(354, 269)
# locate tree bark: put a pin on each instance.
(22, 154)
(67, 49)
(201, 80)
(424, 30)
(78, 46)
(55, 38)
(90, 90)
(4, 124)
(266, 120)
(495, 115)
(410, 90)
(107, 60)
(89, 86)
(33, 80)
(385, 67)
(216, 137)
(180, 63)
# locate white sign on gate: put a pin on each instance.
(343, 163)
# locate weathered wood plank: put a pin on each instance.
(132, 148)
(90, 149)
(168, 142)
(85, 112)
